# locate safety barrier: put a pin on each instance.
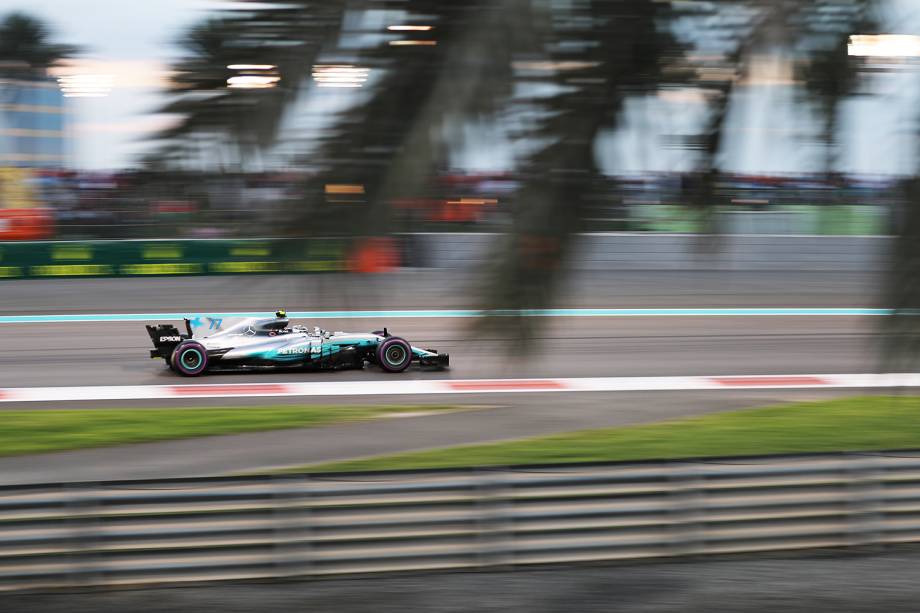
(638, 251)
(593, 252)
(144, 532)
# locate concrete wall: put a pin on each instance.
(680, 252)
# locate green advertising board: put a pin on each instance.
(137, 258)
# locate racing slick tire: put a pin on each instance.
(189, 359)
(394, 354)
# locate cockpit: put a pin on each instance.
(258, 327)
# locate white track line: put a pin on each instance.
(397, 387)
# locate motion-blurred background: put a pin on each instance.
(381, 126)
(630, 211)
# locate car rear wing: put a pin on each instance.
(166, 337)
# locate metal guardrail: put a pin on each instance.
(142, 532)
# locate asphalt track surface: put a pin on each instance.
(888, 582)
(64, 354)
(118, 353)
(115, 353)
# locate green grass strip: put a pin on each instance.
(38, 431)
(851, 424)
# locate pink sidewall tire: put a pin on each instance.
(189, 359)
(394, 354)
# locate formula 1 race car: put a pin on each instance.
(272, 343)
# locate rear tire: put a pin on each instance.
(189, 359)
(394, 354)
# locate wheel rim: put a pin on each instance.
(191, 359)
(395, 355)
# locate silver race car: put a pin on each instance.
(272, 343)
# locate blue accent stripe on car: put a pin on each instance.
(403, 314)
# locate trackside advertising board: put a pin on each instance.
(138, 258)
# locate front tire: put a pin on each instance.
(394, 354)
(189, 359)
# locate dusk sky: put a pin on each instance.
(134, 42)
